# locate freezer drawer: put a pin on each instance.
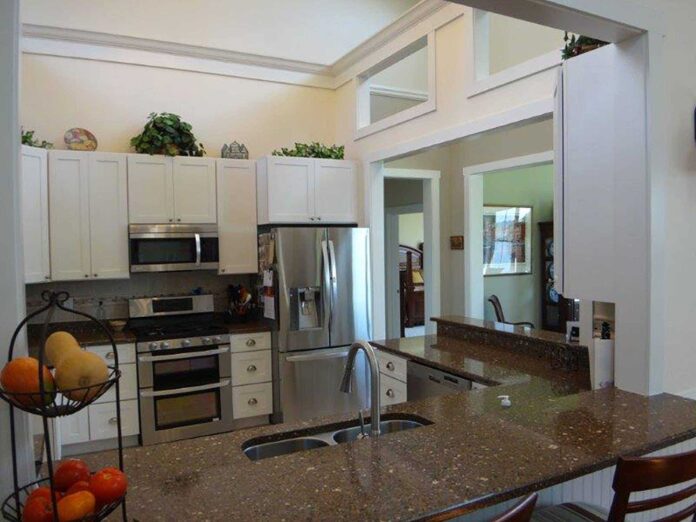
(309, 382)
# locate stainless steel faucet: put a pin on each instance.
(374, 381)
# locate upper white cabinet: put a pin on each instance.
(236, 207)
(88, 215)
(171, 190)
(306, 190)
(34, 188)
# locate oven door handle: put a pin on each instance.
(190, 389)
(188, 355)
(198, 249)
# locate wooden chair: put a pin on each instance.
(634, 475)
(520, 512)
(500, 316)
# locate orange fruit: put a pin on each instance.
(76, 506)
(59, 345)
(80, 370)
(21, 375)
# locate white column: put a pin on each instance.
(12, 303)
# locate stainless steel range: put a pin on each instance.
(184, 368)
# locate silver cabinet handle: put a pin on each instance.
(390, 393)
(252, 402)
(251, 368)
(318, 357)
(109, 355)
(251, 342)
(113, 420)
(198, 249)
(390, 366)
(190, 389)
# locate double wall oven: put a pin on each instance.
(173, 247)
(184, 368)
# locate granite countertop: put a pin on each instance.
(88, 333)
(474, 454)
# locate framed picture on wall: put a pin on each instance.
(507, 240)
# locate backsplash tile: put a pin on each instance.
(114, 294)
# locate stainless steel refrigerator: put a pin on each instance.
(323, 305)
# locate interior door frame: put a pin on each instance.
(431, 240)
(473, 223)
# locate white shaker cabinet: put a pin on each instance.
(162, 189)
(108, 215)
(150, 189)
(68, 182)
(236, 216)
(88, 215)
(306, 190)
(34, 189)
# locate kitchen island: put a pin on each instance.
(474, 454)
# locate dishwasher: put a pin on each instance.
(424, 381)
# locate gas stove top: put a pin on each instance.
(157, 330)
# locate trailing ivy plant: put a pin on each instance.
(165, 133)
(577, 45)
(312, 150)
(29, 139)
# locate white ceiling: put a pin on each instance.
(315, 31)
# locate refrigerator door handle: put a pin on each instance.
(333, 262)
(333, 288)
(327, 279)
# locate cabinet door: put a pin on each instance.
(108, 215)
(290, 190)
(335, 191)
(194, 190)
(68, 183)
(236, 208)
(150, 189)
(34, 187)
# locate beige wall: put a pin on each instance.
(113, 100)
(411, 231)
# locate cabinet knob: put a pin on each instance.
(86, 275)
(390, 366)
(251, 368)
(110, 355)
(178, 219)
(113, 420)
(47, 278)
(390, 393)
(170, 220)
(318, 218)
(251, 342)
(252, 402)
(222, 270)
(96, 275)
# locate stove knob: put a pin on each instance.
(165, 346)
(217, 339)
(207, 340)
(186, 342)
(153, 346)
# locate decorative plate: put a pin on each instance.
(552, 293)
(549, 248)
(79, 139)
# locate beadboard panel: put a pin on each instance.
(594, 488)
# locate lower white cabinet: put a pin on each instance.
(74, 428)
(251, 367)
(250, 342)
(392, 391)
(252, 400)
(103, 420)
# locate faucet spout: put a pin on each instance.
(374, 381)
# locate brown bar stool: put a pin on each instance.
(633, 475)
(521, 512)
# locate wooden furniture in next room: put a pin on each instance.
(500, 315)
(412, 288)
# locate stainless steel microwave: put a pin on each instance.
(173, 247)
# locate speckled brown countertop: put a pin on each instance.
(474, 454)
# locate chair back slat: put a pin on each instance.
(648, 473)
(497, 308)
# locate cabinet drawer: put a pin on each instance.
(392, 391)
(74, 428)
(129, 385)
(102, 420)
(251, 367)
(252, 400)
(250, 342)
(126, 352)
(392, 365)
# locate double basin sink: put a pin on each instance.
(320, 437)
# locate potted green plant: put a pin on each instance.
(29, 139)
(312, 150)
(166, 133)
(577, 45)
